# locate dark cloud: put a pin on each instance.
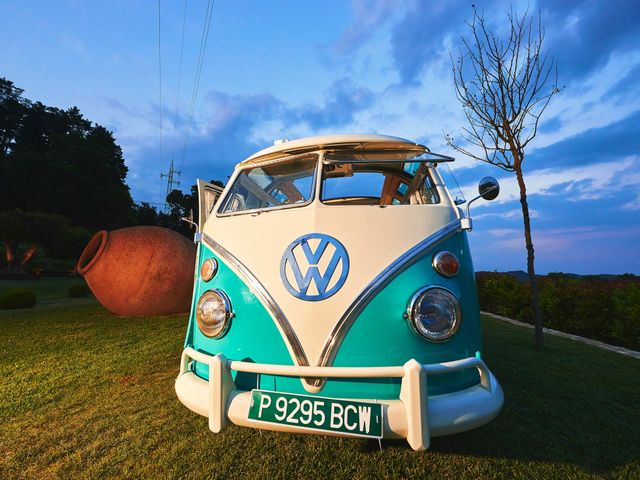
(224, 135)
(418, 37)
(116, 105)
(582, 35)
(612, 142)
(626, 85)
(342, 101)
(605, 144)
(548, 125)
(369, 16)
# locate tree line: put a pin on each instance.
(62, 177)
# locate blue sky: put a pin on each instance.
(286, 69)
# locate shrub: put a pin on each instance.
(626, 315)
(504, 295)
(603, 309)
(17, 298)
(79, 290)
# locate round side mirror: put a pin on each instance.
(489, 188)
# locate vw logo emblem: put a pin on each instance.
(314, 267)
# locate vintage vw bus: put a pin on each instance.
(334, 293)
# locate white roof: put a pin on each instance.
(316, 143)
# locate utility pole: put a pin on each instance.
(173, 180)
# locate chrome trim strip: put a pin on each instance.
(335, 338)
(197, 238)
(267, 300)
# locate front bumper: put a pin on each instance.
(414, 416)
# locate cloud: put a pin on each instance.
(343, 100)
(632, 205)
(563, 239)
(228, 128)
(368, 17)
(414, 40)
(627, 83)
(590, 182)
(611, 143)
(583, 35)
(568, 249)
(606, 97)
(116, 105)
(515, 214)
(562, 163)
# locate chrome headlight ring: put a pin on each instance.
(214, 313)
(434, 313)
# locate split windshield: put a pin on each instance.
(387, 180)
(369, 178)
(279, 184)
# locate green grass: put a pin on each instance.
(87, 394)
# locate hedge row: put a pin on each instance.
(602, 309)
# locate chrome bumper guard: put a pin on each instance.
(415, 416)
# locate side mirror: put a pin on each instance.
(489, 188)
(189, 220)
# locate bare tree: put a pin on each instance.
(504, 85)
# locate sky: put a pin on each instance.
(289, 69)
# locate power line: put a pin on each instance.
(160, 87)
(172, 175)
(175, 121)
(198, 74)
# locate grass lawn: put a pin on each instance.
(87, 394)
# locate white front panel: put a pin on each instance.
(373, 238)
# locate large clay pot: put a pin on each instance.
(140, 270)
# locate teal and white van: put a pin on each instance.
(335, 294)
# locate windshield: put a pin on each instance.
(279, 184)
(356, 181)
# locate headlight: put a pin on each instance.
(208, 269)
(434, 313)
(213, 313)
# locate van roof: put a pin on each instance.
(358, 141)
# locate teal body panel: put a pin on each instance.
(253, 335)
(380, 336)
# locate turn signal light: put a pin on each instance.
(208, 269)
(446, 264)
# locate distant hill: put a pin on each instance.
(523, 276)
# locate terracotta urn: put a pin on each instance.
(140, 270)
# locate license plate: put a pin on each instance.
(359, 419)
